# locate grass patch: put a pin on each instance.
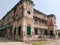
(40, 43)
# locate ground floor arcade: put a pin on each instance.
(16, 33)
(44, 32)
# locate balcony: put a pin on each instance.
(40, 25)
(41, 17)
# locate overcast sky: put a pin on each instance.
(45, 6)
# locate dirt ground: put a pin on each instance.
(57, 42)
(5, 41)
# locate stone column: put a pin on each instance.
(32, 33)
(49, 32)
(24, 29)
(39, 32)
(56, 34)
(7, 32)
(42, 31)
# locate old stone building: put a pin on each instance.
(23, 22)
(58, 31)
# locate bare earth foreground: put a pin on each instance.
(4, 41)
(57, 42)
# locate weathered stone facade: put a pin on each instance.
(23, 22)
(58, 33)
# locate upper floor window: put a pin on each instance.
(16, 15)
(28, 12)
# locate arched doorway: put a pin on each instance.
(28, 30)
(51, 33)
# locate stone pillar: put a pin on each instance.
(39, 32)
(7, 32)
(32, 33)
(24, 29)
(32, 30)
(56, 34)
(24, 22)
(48, 32)
(42, 31)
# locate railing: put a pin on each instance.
(41, 17)
(40, 26)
